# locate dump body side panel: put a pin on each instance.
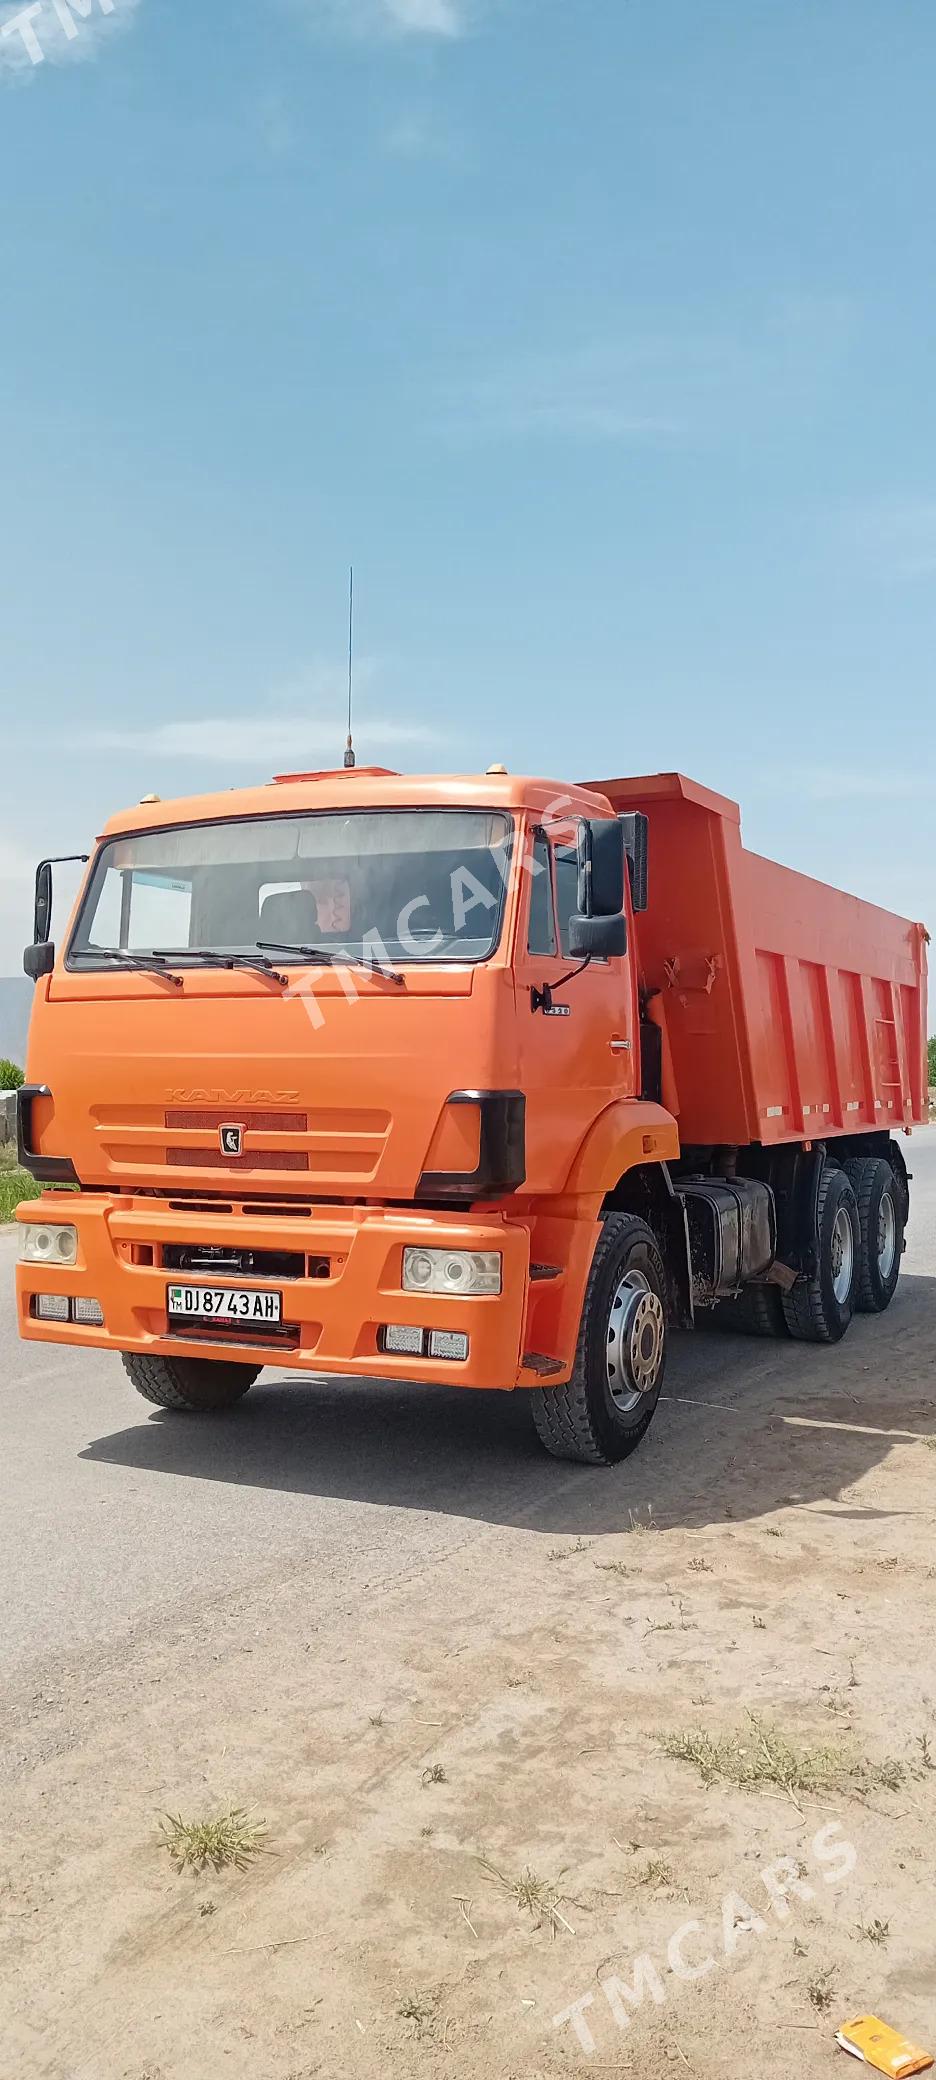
(793, 1011)
(837, 1014)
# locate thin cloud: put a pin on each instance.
(60, 32)
(366, 19)
(261, 740)
(426, 17)
(639, 382)
(589, 392)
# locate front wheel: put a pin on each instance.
(196, 1386)
(609, 1403)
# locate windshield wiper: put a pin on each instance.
(332, 957)
(206, 957)
(143, 963)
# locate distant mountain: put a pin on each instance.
(16, 994)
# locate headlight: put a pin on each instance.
(453, 1271)
(48, 1245)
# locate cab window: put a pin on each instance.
(541, 936)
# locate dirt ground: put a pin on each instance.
(500, 1708)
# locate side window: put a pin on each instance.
(541, 937)
(566, 891)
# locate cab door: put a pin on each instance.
(578, 1035)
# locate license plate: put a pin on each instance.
(223, 1304)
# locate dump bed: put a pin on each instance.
(792, 1010)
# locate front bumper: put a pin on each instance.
(333, 1321)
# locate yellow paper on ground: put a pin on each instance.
(881, 2047)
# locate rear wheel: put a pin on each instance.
(819, 1309)
(608, 1404)
(195, 1385)
(881, 1217)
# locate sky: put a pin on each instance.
(600, 336)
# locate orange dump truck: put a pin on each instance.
(476, 1080)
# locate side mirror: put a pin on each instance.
(39, 960)
(42, 914)
(599, 929)
(597, 938)
(636, 831)
(601, 869)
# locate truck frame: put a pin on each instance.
(460, 1079)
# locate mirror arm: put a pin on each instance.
(542, 999)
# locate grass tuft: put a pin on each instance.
(15, 1184)
(419, 2011)
(656, 1871)
(764, 1755)
(230, 1838)
(820, 1991)
(568, 1552)
(533, 1895)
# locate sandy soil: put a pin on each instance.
(770, 1551)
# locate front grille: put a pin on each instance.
(216, 1260)
(255, 1159)
(182, 1117)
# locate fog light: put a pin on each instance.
(41, 1244)
(51, 1307)
(88, 1313)
(406, 1343)
(463, 1271)
(444, 1343)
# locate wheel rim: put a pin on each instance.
(887, 1236)
(843, 1256)
(636, 1339)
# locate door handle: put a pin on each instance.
(618, 1045)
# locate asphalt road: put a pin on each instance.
(118, 1519)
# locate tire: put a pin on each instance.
(608, 1405)
(882, 1220)
(819, 1309)
(758, 1311)
(194, 1385)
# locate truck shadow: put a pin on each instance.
(746, 1427)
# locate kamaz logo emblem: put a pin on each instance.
(232, 1140)
(203, 1096)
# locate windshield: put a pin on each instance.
(389, 885)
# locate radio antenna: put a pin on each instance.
(349, 757)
